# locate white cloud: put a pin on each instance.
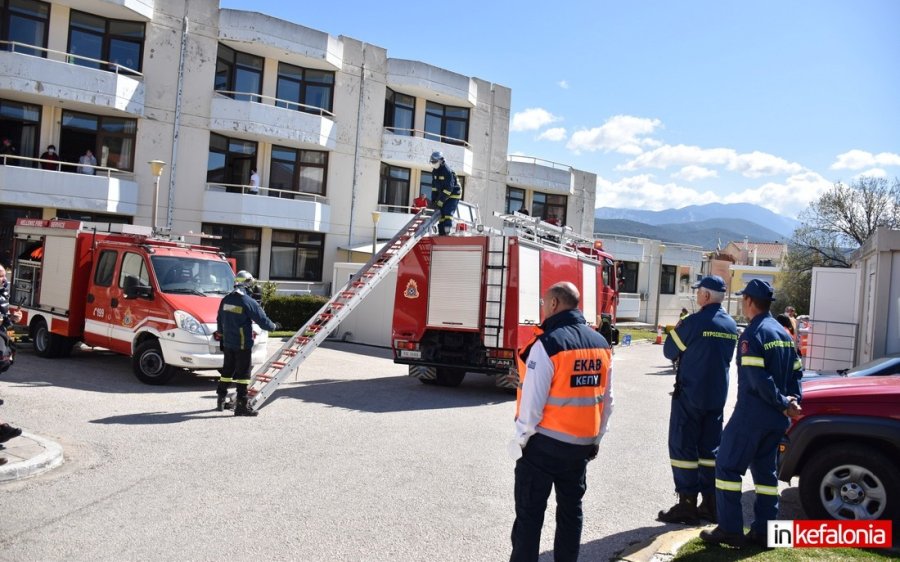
(752, 165)
(564, 84)
(694, 173)
(532, 119)
(859, 159)
(624, 134)
(873, 173)
(555, 134)
(643, 192)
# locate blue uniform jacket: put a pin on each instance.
(444, 183)
(237, 312)
(769, 371)
(705, 340)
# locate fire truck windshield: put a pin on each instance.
(192, 276)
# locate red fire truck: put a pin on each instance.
(120, 287)
(466, 303)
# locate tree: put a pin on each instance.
(834, 225)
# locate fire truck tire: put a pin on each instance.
(47, 344)
(449, 377)
(149, 365)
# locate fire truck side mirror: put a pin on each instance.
(134, 289)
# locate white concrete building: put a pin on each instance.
(334, 128)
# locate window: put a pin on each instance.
(399, 113)
(628, 276)
(20, 123)
(446, 123)
(25, 21)
(515, 199)
(550, 208)
(297, 256)
(135, 266)
(92, 217)
(309, 87)
(303, 171)
(667, 280)
(394, 188)
(8, 217)
(229, 162)
(111, 139)
(427, 178)
(118, 43)
(239, 73)
(238, 242)
(106, 268)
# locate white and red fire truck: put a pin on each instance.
(466, 303)
(123, 288)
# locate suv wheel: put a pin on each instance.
(850, 482)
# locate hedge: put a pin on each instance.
(292, 312)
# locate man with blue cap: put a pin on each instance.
(703, 343)
(769, 372)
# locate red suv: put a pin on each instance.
(846, 448)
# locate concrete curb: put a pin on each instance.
(32, 461)
(661, 548)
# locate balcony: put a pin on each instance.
(51, 81)
(542, 175)
(109, 191)
(394, 217)
(119, 9)
(262, 121)
(410, 148)
(430, 82)
(273, 208)
(265, 36)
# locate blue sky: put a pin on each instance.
(669, 103)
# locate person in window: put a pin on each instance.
(553, 219)
(524, 211)
(446, 192)
(254, 182)
(87, 163)
(50, 154)
(419, 203)
(7, 150)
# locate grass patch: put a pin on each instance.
(637, 334)
(698, 551)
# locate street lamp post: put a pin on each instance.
(156, 168)
(662, 250)
(375, 216)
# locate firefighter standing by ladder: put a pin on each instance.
(237, 312)
(446, 192)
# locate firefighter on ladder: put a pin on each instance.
(234, 330)
(446, 192)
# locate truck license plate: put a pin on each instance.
(410, 354)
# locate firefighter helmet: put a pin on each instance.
(244, 279)
(436, 156)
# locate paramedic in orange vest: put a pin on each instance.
(562, 408)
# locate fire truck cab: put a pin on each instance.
(468, 302)
(122, 288)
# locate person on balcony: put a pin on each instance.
(87, 163)
(254, 182)
(6, 150)
(50, 154)
(419, 203)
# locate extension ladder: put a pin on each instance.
(287, 359)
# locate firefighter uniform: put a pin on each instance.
(446, 195)
(704, 344)
(563, 403)
(237, 312)
(769, 372)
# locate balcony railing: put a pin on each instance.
(265, 191)
(539, 162)
(277, 102)
(56, 165)
(24, 48)
(427, 135)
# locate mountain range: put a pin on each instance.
(701, 225)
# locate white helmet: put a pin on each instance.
(244, 279)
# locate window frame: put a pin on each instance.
(509, 199)
(6, 14)
(229, 239)
(298, 165)
(668, 279)
(234, 65)
(391, 106)
(233, 159)
(106, 39)
(109, 273)
(384, 185)
(99, 133)
(305, 84)
(546, 206)
(297, 245)
(143, 271)
(434, 109)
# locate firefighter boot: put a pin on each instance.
(242, 409)
(707, 508)
(220, 403)
(684, 512)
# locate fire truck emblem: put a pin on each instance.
(128, 319)
(412, 290)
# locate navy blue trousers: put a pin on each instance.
(547, 463)
(446, 222)
(694, 437)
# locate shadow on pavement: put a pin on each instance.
(359, 349)
(160, 418)
(610, 546)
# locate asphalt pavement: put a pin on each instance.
(350, 460)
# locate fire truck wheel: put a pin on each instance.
(148, 364)
(449, 377)
(47, 344)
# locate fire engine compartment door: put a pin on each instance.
(589, 292)
(529, 285)
(454, 295)
(57, 268)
